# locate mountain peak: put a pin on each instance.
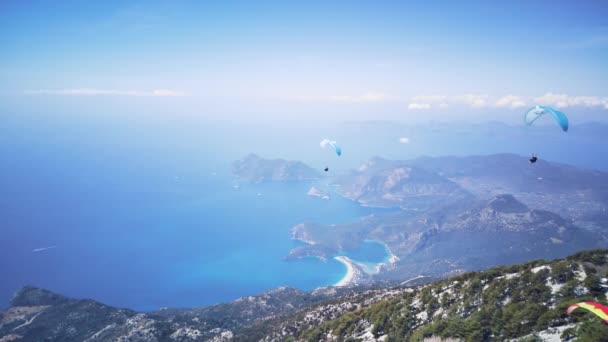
(32, 296)
(507, 203)
(372, 163)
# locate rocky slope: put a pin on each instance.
(520, 302)
(425, 183)
(465, 213)
(524, 302)
(464, 236)
(383, 183)
(40, 315)
(578, 194)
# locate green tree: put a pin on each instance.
(568, 334)
(592, 282)
(561, 272)
(592, 330)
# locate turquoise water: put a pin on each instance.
(370, 252)
(144, 213)
(158, 239)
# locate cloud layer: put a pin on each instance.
(511, 101)
(419, 102)
(564, 100)
(94, 91)
(419, 106)
(507, 101)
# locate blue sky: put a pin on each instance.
(349, 59)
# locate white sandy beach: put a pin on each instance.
(359, 271)
(350, 271)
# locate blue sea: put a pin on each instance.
(146, 217)
(184, 242)
(143, 212)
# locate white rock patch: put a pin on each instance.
(423, 316)
(540, 268)
(581, 275)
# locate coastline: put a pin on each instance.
(350, 271)
(357, 271)
(316, 192)
(391, 258)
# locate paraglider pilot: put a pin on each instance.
(533, 159)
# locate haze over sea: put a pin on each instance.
(143, 220)
(145, 213)
(119, 121)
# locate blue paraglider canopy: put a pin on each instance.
(536, 112)
(334, 145)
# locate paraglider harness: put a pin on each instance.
(533, 159)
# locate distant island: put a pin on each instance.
(256, 169)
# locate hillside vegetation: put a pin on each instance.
(526, 302)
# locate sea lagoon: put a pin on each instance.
(169, 240)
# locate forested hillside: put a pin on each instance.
(526, 302)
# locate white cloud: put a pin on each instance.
(473, 100)
(419, 106)
(404, 140)
(367, 97)
(507, 101)
(430, 98)
(93, 91)
(564, 100)
(512, 101)
(167, 92)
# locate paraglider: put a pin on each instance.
(534, 159)
(325, 143)
(596, 308)
(334, 145)
(536, 112)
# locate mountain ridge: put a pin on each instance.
(256, 169)
(476, 306)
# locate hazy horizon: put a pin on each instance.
(244, 61)
(119, 121)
